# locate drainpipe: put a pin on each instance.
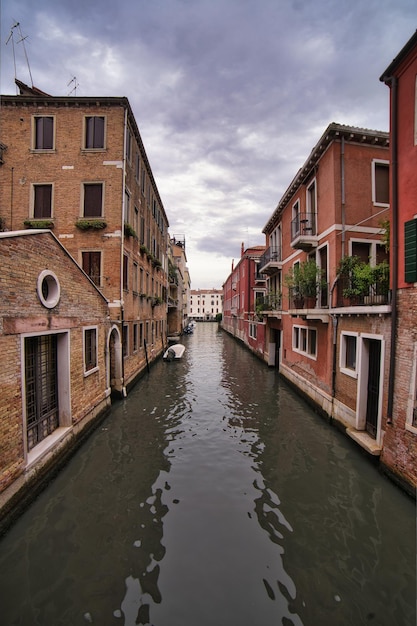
(393, 243)
(342, 175)
(122, 313)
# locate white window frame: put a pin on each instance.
(298, 333)
(374, 163)
(253, 328)
(88, 372)
(343, 353)
(412, 396)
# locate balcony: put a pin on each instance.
(270, 262)
(269, 304)
(360, 284)
(304, 231)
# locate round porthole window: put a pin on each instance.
(48, 288)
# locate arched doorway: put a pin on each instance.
(114, 367)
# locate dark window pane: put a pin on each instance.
(44, 133)
(381, 183)
(42, 207)
(93, 195)
(91, 266)
(94, 132)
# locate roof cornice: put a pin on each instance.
(333, 133)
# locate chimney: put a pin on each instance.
(242, 249)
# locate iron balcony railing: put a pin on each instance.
(269, 302)
(298, 300)
(271, 255)
(303, 225)
(376, 294)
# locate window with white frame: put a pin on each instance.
(348, 353)
(304, 340)
(380, 182)
(90, 349)
(411, 419)
(253, 328)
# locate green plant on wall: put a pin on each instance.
(305, 279)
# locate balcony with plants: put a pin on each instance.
(362, 284)
(269, 303)
(307, 287)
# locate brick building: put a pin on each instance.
(55, 374)
(77, 165)
(400, 442)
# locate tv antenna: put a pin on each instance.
(76, 84)
(16, 27)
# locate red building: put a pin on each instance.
(244, 295)
(400, 442)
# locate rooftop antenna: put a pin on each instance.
(76, 84)
(16, 26)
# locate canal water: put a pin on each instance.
(213, 496)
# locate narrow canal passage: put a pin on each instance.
(213, 496)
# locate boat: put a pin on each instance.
(174, 352)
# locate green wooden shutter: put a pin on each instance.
(410, 251)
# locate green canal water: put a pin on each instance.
(213, 496)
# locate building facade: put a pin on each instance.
(400, 442)
(244, 299)
(205, 304)
(326, 311)
(55, 340)
(78, 167)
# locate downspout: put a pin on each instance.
(342, 176)
(393, 243)
(122, 312)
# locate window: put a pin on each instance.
(141, 334)
(90, 350)
(94, 132)
(93, 199)
(305, 340)
(125, 340)
(135, 278)
(48, 288)
(380, 183)
(42, 201)
(127, 206)
(91, 264)
(137, 167)
(348, 348)
(129, 142)
(253, 330)
(43, 133)
(135, 337)
(125, 272)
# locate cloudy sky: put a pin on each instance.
(230, 95)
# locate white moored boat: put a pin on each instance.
(174, 352)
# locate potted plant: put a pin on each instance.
(311, 280)
(346, 272)
(292, 281)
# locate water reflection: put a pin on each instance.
(213, 495)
